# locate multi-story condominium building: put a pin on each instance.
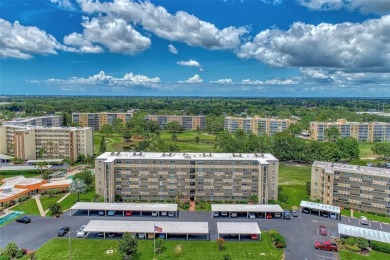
(207, 176)
(97, 120)
(350, 186)
(362, 132)
(187, 122)
(46, 121)
(257, 125)
(33, 142)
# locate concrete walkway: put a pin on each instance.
(192, 206)
(39, 204)
(58, 201)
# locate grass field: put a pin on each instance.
(29, 207)
(374, 255)
(96, 249)
(47, 201)
(69, 201)
(347, 212)
(114, 142)
(186, 141)
(365, 150)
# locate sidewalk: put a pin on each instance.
(62, 198)
(39, 204)
(192, 205)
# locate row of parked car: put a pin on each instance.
(253, 215)
(130, 213)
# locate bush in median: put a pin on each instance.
(380, 246)
(278, 239)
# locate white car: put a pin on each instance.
(81, 232)
(215, 214)
(333, 215)
(164, 213)
(154, 214)
(252, 215)
(171, 214)
(363, 220)
(141, 235)
(224, 214)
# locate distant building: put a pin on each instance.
(374, 113)
(34, 142)
(45, 121)
(97, 120)
(257, 125)
(361, 131)
(207, 176)
(354, 187)
(189, 123)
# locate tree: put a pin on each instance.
(226, 257)
(128, 245)
(118, 126)
(362, 243)
(64, 119)
(85, 175)
(253, 198)
(308, 187)
(382, 149)
(174, 127)
(41, 166)
(89, 159)
(80, 158)
(332, 134)
(160, 245)
(349, 148)
(102, 147)
(152, 126)
(174, 137)
(78, 186)
(50, 147)
(55, 209)
(11, 249)
(137, 131)
(106, 129)
(127, 135)
(221, 243)
(197, 138)
(41, 151)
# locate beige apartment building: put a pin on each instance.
(198, 176)
(46, 121)
(361, 131)
(189, 123)
(257, 125)
(350, 186)
(29, 143)
(97, 120)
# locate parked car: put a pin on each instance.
(215, 214)
(260, 214)
(325, 245)
(363, 220)
(324, 214)
(154, 214)
(141, 235)
(323, 230)
(306, 210)
(164, 213)
(111, 234)
(111, 213)
(268, 215)
(62, 232)
(333, 215)
(252, 215)
(224, 214)
(171, 214)
(277, 215)
(162, 236)
(24, 220)
(128, 213)
(254, 237)
(101, 213)
(294, 213)
(81, 232)
(233, 215)
(286, 215)
(100, 234)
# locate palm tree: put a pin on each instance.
(41, 152)
(78, 186)
(41, 166)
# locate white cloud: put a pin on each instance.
(181, 26)
(222, 81)
(270, 82)
(189, 63)
(172, 49)
(113, 33)
(21, 42)
(363, 46)
(66, 4)
(364, 6)
(195, 79)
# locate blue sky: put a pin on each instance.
(297, 48)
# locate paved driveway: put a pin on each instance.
(300, 232)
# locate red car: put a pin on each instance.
(323, 230)
(128, 213)
(269, 215)
(254, 237)
(325, 245)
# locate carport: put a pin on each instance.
(246, 208)
(148, 227)
(123, 207)
(240, 229)
(369, 234)
(321, 208)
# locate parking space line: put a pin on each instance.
(380, 224)
(369, 222)
(349, 221)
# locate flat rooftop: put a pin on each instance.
(171, 227)
(27, 119)
(18, 167)
(263, 158)
(124, 206)
(331, 167)
(52, 183)
(45, 160)
(245, 208)
(351, 123)
(319, 206)
(257, 118)
(31, 127)
(243, 228)
(5, 157)
(369, 234)
(10, 192)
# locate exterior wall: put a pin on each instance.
(257, 125)
(97, 120)
(46, 121)
(3, 140)
(362, 132)
(161, 178)
(350, 189)
(189, 123)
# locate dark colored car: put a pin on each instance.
(294, 213)
(286, 215)
(63, 231)
(306, 210)
(101, 213)
(323, 230)
(24, 220)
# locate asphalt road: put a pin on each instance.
(300, 232)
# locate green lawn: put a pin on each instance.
(96, 249)
(29, 207)
(27, 175)
(295, 194)
(365, 150)
(186, 141)
(202, 206)
(347, 212)
(69, 201)
(374, 255)
(113, 142)
(46, 201)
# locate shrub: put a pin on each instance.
(221, 243)
(19, 254)
(278, 239)
(226, 257)
(178, 248)
(5, 257)
(352, 248)
(52, 193)
(351, 241)
(380, 246)
(362, 243)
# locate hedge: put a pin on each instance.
(20, 172)
(380, 246)
(278, 239)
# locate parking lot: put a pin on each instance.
(300, 232)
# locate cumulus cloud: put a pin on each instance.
(189, 63)
(364, 6)
(195, 79)
(172, 49)
(181, 26)
(65, 4)
(222, 81)
(113, 33)
(364, 46)
(21, 42)
(269, 82)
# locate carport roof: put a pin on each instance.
(170, 227)
(124, 206)
(318, 206)
(368, 234)
(245, 208)
(242, 228)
